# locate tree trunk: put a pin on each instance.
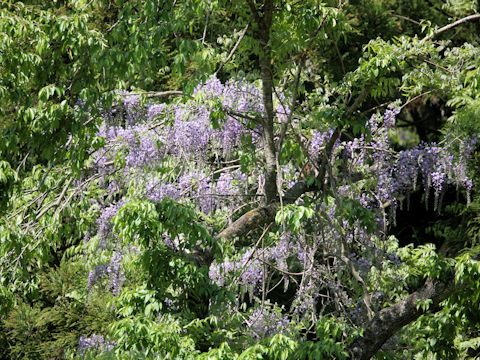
(391, 319)
(264, 23)
(268, 133)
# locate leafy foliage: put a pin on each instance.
(137, 136)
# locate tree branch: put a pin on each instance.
(452, 25)
(264, 23)
(159, 94)
(244, 31)
(57, 202)
(284, 127)
(254, 11)
(391, 319)
(439, 9)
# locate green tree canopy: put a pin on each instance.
(271, 179)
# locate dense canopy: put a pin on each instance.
(214, 179)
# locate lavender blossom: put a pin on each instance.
(318, 142)
(99, 272)
(156, 110)
(266, 322)
(95, 342)
(114, 273)
(104, 223)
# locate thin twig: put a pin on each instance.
(407, 19)
(439, 66)
(439, 9)
(158, 94)
(264, 273)
(205, 28)
(244, 31)
(244, 265)
(284, 128)
(22, 163)
(280, 270)
(244, 116)
(45, 176)
(416, 97)
(57, 202)
(339, 56)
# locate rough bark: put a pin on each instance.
(251, 220)
(264, 23)
(391, 319)
(268, 133)
(255, 218)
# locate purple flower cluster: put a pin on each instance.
(94, 342)
(133, 109)
(191, 185)
(126, 111)
(192, 133)
(104, 223)
(385, 187)
(266, 322)
(188, 141)
(187, 135)
(229, 186)
(156, 190)
(171, 305)
(136, 143)
(243, 97)
(355, 152)
(390, 115)
(363, 265)
(307, 294)
(358, 313)
(201, 189)
(111, 270)
(250, 273)
(99, 272)
(406, 173)
(156, 110)
(318, 142)
(114, 273)
(304, 304)
(250, 268)
(435, 166)
(304, 254)
(212, 89)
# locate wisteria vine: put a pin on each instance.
(189, 151)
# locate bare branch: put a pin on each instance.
(391, 319)
(242, 35)
(159, 94)
(439, 9)
(452, 25)
(436, 65)
(205, 28)
(406, 19)
(284, 127)
(57, 202)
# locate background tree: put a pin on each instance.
(258, 179)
